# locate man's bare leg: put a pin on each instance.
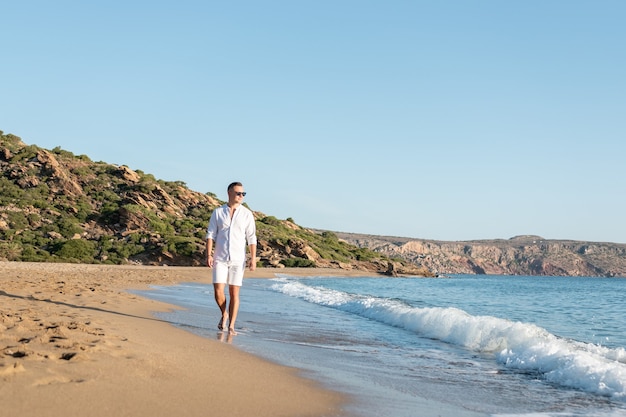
(233, 307)
(220, 299)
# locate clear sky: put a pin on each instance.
(448, 120)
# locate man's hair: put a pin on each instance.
(234, 184)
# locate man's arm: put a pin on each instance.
(209, 254)
(252, 262)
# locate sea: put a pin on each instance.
(454, 346)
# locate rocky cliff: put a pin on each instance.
(520, 255)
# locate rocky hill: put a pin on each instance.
(520, 255)
(59, 207)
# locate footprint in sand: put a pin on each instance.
(12, 369)
(54, 379)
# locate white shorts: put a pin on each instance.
(230, 273)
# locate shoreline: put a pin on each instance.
(73, 338)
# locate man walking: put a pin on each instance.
(230, 227)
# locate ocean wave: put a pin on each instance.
(516, 345)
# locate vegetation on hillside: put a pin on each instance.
(59, 207)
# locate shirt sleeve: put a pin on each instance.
(251, 230)
(211, 230)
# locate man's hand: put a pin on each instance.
(209, 261)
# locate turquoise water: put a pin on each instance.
(463, 345)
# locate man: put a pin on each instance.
(230, 227)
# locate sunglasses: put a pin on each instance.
(240, 194)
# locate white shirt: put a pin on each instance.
(230, 235)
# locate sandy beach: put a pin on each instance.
(75, 342)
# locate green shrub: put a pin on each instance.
(182, 246)
(68, 227)
(12, 142)
(76, 250)
(84, 210)
(161, 227)
(32, 237)
(10, 251)
(125, 250)
(31, 253)
(9, 192)
(17, 220)
(25, 154)
(363, 254)
(271, 221)
(58, 151)
(298, 263)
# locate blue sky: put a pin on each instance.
(447, 120)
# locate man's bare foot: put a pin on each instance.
(222, 322)
(232, 331)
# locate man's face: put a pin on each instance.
(237, 194)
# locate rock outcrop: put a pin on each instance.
(520, 255)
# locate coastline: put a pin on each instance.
(73, 338)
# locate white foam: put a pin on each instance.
(517, 345)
